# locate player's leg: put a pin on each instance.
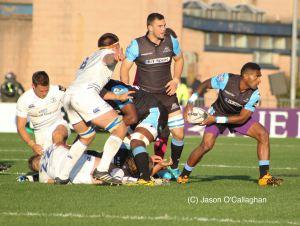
(113, 123)
(144, 133)
(258, 132)
(140, 139)
(160, 145)
(176, 126)
(197, 154)
(86, 136)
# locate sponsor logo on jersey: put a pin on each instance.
(231, 102)
(158, 60)
(31, 106)
(166, 49)
(146, 54)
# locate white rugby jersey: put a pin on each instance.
(52, 162)
(41, 112)
(93, 73)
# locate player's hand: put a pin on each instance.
(209, 120)
(188, 108)
(119, 55)
(125, 96)
(165, 162)
(156, 158)
(172, 86)
(37, 149)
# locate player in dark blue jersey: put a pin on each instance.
(153, 54)
(151, 117)
(237, 99)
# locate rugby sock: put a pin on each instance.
(111, 147)
(186, 170)
(263, 167)
(160, 146)
(176, 150)
(74, 154)
(141, 159)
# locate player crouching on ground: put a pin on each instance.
(124, 168)
(236, 102)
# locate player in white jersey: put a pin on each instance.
(84, 107)
(51, 163)
(42, 105)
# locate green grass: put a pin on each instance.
(41, 204)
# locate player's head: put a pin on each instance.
(251, 74)
(156, 25)
(34, 163)
(40, 84)
(108, 41)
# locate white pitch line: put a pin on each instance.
(152, 218)
(245, 167)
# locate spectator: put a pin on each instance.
(11, 89)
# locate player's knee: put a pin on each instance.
(263, 136)
(138, 139)
(206, 146)
(87, 136)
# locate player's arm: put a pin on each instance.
(108, 95)
(131, 54)
(21, 127)
(241, 118)
(178, 67)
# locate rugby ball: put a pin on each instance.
(197, 115)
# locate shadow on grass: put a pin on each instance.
(221, 177)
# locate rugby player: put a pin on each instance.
(51, 163)
(84, 107)
(151, 118)
(153, 54)
(233, 109)
(42, 105)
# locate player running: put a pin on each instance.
(237, 99)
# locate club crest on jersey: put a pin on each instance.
(166, 49)
(96, 110)
(220, 78)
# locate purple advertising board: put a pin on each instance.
(279, 122)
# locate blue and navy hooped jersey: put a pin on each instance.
(230, 99)
(153, 61)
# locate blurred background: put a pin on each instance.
(216, 36)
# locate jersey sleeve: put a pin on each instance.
(119, 90)
(219, 81)
(253, 101)
(22, 110)
(176, 47)
(132, 51)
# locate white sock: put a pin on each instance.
(111, 147)
(74, 154)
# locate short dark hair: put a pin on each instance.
(107, 39)
(30, 162)
(249, 66)
(40, 78)
(171, 32)
(154, 16)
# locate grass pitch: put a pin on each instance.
(226, 179)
